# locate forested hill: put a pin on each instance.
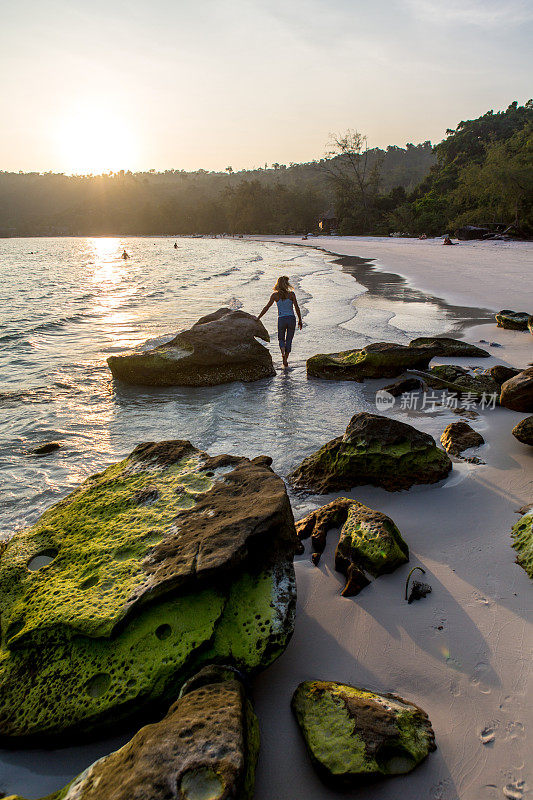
(273, 199)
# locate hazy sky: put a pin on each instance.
(184, 84)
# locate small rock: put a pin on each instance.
(401, 387)
(45, 449)
(517, 393)
(353, 735)
(466, 412)
(513, 320)
(524, 431)
(459, 436)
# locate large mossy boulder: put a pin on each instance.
(517, 392)
(524, 431)
(117, 593)
(522, 535)
(353, 735)
(513, 320)
(445, 346)
(378, 360)
(460, 436)
(206, 747)
(374, 450)
(219, 348)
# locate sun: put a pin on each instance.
(93, 140)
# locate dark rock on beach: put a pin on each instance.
(162, 562)
(513, 320)
(517, 392)
(461, 381)
(445, 346)
(205, 747)
(219, 348)
(45, 449)
(459, 436)
(374, 450)
(378, 360)
(501, 373)
(402, 387)
(355, 735)
(319, 522)
(524, 431)
(522, 535)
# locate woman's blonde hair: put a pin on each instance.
(283, 286)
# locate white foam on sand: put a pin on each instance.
(464, 653)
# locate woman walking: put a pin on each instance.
(285, 298)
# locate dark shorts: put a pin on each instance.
(286, 328)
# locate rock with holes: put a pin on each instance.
(445, 346)
(117, 593)
(374, 450)
(353, 735)
(220, 348)
(522, 535)
(378, 360)
(460, 436)
(524, 431)
(514, 320)
(517, 392)
(205, 747)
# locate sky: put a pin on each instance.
(94, 85)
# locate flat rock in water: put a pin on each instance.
(522, 535)
(459, 436)
(374, 450)
(378, 360)
(353, 735)
(219, 348)
(445, 346)
(514, 320)
(118, 592)
(461, 381)
(524, 431)
(517, 392)
(45, 449)
(205, 747)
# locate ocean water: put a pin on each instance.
(66, 304)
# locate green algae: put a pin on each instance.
(100, 534)
(522, 535)
(352, 734)
(372, 541)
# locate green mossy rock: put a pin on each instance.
(353, 735)
(120, 591)
(369, 542)
(524, 431)
(444, 346)
(374, 450)
(517, 392)
(514, 320)
(461, 381)
(205, 748)
(219, 348)
(379, 360)
(522, 535)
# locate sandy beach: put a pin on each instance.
(464, 653)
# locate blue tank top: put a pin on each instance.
(285, 308)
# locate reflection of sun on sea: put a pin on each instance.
(93, 141)
(106, 254)
(109, 272)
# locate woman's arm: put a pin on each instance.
(272, 299)
(297, 309)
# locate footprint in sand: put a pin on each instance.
(514, 790)
(514, 729)
(441, 790)
(487, 734)
(480, 671)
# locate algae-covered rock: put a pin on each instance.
(369, 542)
(122, 589)
(205, 747)
(514, 320)
(219, 348)
(374, 450)
(321, 520)
(459, 436)
(517, 392)
(445, 346)
(522, 535)
(378, 360)
(524, 431)
(461, 381)
(353, 735)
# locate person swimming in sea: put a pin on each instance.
(124, 255)
(285, 298)
(175, 245)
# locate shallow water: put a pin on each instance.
(66, 304)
